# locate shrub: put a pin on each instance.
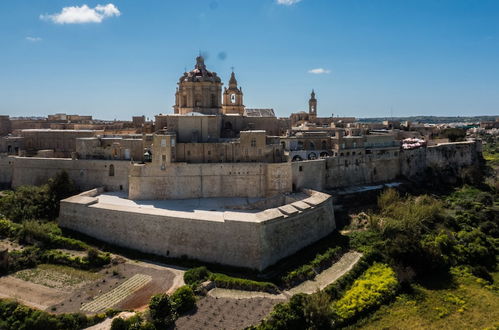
(37, 202)
(373, 288)
(183, 299)
(119, 324)
(228, 282)
(196, 275)
(9, 228)
(162, 311)
(288, 315)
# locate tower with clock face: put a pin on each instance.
(312, 107)
(233, 98)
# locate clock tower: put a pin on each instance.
(312, 107)
(233, 98)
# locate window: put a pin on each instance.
(253, 142)
(232, 98)
(324, 145)
(300, 168)
(184, 101)
(111, 170)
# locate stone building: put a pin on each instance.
(61, 142)
(5, 125)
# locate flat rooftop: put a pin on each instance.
(183, 205)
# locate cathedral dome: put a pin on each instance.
(200, 73)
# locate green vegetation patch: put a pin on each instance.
(470, 303)
(229, 282)
(16, 316)
(377, 285)
(56, 276)
(314, 267)
(197, 275)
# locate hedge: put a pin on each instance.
(310, 270)
(228, 282)
(14, 316)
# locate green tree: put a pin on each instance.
(162, 311)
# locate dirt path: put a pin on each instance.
(30, 294)
(328, 276)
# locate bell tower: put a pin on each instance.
(312, 107)
(233, 97)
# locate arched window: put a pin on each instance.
(184, 100)
(300, 145)
(311, 146)
(111, 170)
(324, 145)
(213, 100)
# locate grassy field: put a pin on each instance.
(462, 302)
(56, 276)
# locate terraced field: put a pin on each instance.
(118, 294)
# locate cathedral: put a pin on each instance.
(220, 113)
(200, 91)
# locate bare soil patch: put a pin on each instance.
(226, 313)
(31, 294)
(112, 277)
(10, 245)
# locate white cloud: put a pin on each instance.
(319, 71)
(287, 2)
(34, 39)
(83, 14)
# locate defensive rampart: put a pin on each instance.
(182, 180)
(252, 240)
(87, 174)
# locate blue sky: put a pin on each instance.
(124, 58)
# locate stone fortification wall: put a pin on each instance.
(87, 174)
(309, 174)
(346, 171)
(181, 180)
(455, 155)
(5, 171)
(252, 240)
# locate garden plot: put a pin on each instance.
(59, 277)
(118, 294)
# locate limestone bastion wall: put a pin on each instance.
(86, 174)
(344, 171)
(5, 171)
(251, 240)
(182, 180)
